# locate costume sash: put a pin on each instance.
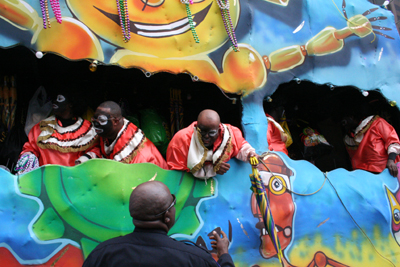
(279, 127)
(353, 143)
(198, 152)
(76, 137)
(276, 124)
(129, 150)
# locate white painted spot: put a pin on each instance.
(251, 57)
(393, 201)
(299, 27)
(380, 54)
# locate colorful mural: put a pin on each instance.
(325, 38)
(59, 214)
(83, 206)
(336, 42)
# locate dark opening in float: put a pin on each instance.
(172, 100)
(321, 108)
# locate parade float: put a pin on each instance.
(325, 54)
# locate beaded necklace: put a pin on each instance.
(55, 6)
(124, 19)
(226, 17)
(190, 18)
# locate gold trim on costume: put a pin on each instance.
(137, 149)
(351, 143)
(203, 158)
(225, 153)
(50, 126)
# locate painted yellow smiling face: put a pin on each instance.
(158, 27)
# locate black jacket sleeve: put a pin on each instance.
(226, 260)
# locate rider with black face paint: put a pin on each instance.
(60, 104)
(121, 140)
(103, 125)
(204, 147)
(64, 138)
(62, 109)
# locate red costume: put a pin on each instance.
(132, 146)
(275, 136)
(186, 151)
(373, 141)
(52, 143)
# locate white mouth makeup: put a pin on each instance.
(60, 98)
(98, 130)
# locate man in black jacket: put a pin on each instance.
(152, 207)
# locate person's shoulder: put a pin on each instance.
(185, 132)
(230, 126)
(86, 124)
(380, 120)
(113, 246)
(111, 242)
(234, 130)
(36, 126)
(130, 124)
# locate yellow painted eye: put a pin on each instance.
(277, 185)
(153, 3)
(396, 216)
(394, 205)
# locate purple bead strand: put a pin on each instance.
(43, 13)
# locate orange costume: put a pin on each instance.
(53, 144)
(132, 146)
(275, 136)
(186, 151)
(373, 141)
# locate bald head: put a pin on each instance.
(208, 116)
(208, 123)
(115, 109)
(149, 199)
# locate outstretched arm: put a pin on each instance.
(327, 41)
(391, 165)
(391, 143)
(221, 244)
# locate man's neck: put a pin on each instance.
(65, 122)
(151, 225)
(111, 139)
(114, 134)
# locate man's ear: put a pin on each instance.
(167, 217)
(115, 121)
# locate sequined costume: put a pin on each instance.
(132, 146)
(52, 143)
(275, 136)
(186, 151)
(374, 139)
